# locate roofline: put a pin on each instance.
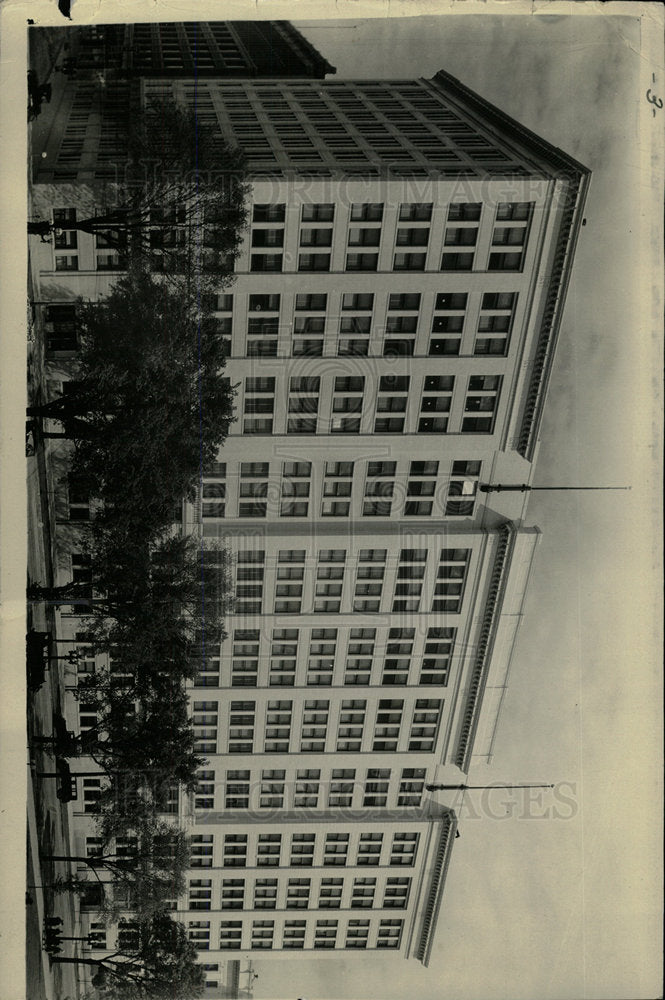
(509, 125)
(296, 37)
(435, 895)
(487, 636)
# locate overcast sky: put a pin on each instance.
(553, 908)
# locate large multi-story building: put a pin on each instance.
(391, 328)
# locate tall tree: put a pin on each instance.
(178, 199)
(161, 966)
(150, 406)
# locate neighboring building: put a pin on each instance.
(391, 327)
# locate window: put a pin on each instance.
(411, 786)
(259, 405)
(347, 403)
(505, 262)
(369, 849)
(69, 262)
(289, 583)
(314, 262)
(404, 848)
(360, 650)
(391, 404)
(409, 582)
(336, 849)
(272, 789)
(269, 213)
(482, 398)
(447, 328)
(105, 262)
(230, 935)
(415, 211)
(462, 489)
(278, 727)
(249, 585)
(266, 262)
(233, 893)
(253, 489)
(213, 496)
(407, 237)
(268, 238)
(302, 850)
(450, 580)
(323, 645)
(294, 934)
(204, 723)
(283, 653)
(404, 301)
(399, 647)
(342, 783)
(337, 489)
(303, 406)
(265, 894)
(350, 726)
(514, 211)
(425, 724)
(235, 850)
(245, 661)
(200, 894)
(363, 893)
(367, 212)
(365, 236)
(357, 933)
(329, 584)
(387, 724)
(396, 893)
(241, 727)
(198, 932)
(464, 212)
(325, 934)
(311, 302)
(435, 404)
(268, 850)
(438, 652)
(322, 212)
(362, 261)
(390, 934)
(409, 262)
(369, 580)
(457, 262)
(297, 893)
(201, 851)
(92, 790)
(316, 237)
(314, 728)
(307, 790)
(61, 327)
(376, 787)
(420, 488)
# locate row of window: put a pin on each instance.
(444, 593)
(271, 789)
(348, 405)
(261, 934)
(296, 894)
(410, 495)
(391, 725)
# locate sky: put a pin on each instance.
(548, 900)
(566, 905)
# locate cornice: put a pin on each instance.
(486, 638)
(437, 882)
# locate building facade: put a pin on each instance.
(391, 328)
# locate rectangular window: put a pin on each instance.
(259, 405)
(198, 932)
(415, 211)
(357, 934)
(230, 935)
(425, 724)
(391, 404)
(366, 212)
(241, 727)
(505, 262)
(342, 783)
(375, 792)
(399, 647)
(435, 404)
(266, 262)
(316, 237)
(462, 489)
(272, 789)
(390, 934)
(314, 729)
(235, 850)
(278, 727)
(347, 403)
(314, 262)
(329, 585)
(323, 645)
(268, 850)
(396, 893)
(411, 786)
(514, 211)
(245, 661)
(351, 725)
(311, 302)
(233, 893)
(387, 724)
(307, 789)
(213, 496)
(438, 652)
(269, 213)
(283, 657)
(253, 489)
(321, 212)
(204, 724)
(362, 897)
(457, 262)
(201, 850)
(297, 893)
(365, 236)
(325, 934)
(200, 894)
(336, 849)
(450, 580)
(360, 650)
(337, 489)
(464, 212)
(369, 849)
(294, 934)
(303, 405)
(265, 894)
(204, 793)
(480, 404)
(249, 587)
(420, 489)
(302, 850)
(362, 261)
(289, 583)
(404, 848)
(268, 238)
(409, 261)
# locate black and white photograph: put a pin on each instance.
(331, 501)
